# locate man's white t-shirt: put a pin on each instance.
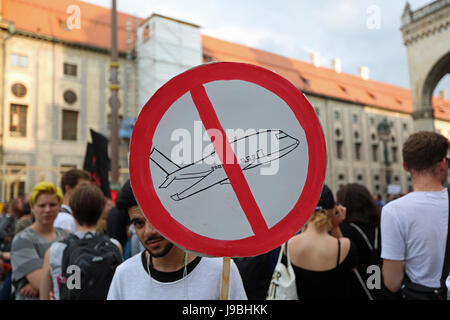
(65, 220)
(132, 282)
(414, 230)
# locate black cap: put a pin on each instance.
(326, 200)
(126, 199)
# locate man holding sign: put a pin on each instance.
(164, 271)
(232, 198)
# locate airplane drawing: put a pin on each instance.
(211, 175)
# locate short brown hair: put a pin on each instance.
(422, 150)
(87, 203)
(71, 178)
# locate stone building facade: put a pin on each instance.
(55, 87)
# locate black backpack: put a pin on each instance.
(97, 258)
(374, 260)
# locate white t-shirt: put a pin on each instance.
(65, 220)
(132, 282)
(414, 230)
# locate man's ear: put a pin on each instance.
(67, 188)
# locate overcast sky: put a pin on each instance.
(360, 32)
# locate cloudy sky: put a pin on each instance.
(360, 32)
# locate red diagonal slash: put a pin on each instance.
(233, 170)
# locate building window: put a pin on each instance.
(358, 151)
(375, 152)
(70, 69)
(355, 118)
(70, 97)
(405, 127)
(343, 89)
(305, 81)
(339, 149)
(146, 33)
(207, 58)
(16, 187)
(18, 120)
(19, 90)
(337, 115)
(69, 125)
(337, 132)
(19, 60)
(394, 154)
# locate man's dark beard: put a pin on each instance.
(166, 250)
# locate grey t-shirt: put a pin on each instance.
(27, 255)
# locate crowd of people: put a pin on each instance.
(354, 245)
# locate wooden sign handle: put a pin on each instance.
(225, 279)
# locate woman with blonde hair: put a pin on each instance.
(29, 246)
(321, 258)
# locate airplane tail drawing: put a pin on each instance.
(165, 164)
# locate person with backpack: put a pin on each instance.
(362, 226)
(81, 266)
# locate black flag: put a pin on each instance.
(97, 162)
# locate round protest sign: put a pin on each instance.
(227, 159)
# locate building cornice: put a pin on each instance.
(78, 45)
(425, 21)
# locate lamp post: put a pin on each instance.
(114, 101)
(384, 132)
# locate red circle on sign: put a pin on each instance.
(142, 142)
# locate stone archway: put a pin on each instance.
(436, 73)
(426, 34)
